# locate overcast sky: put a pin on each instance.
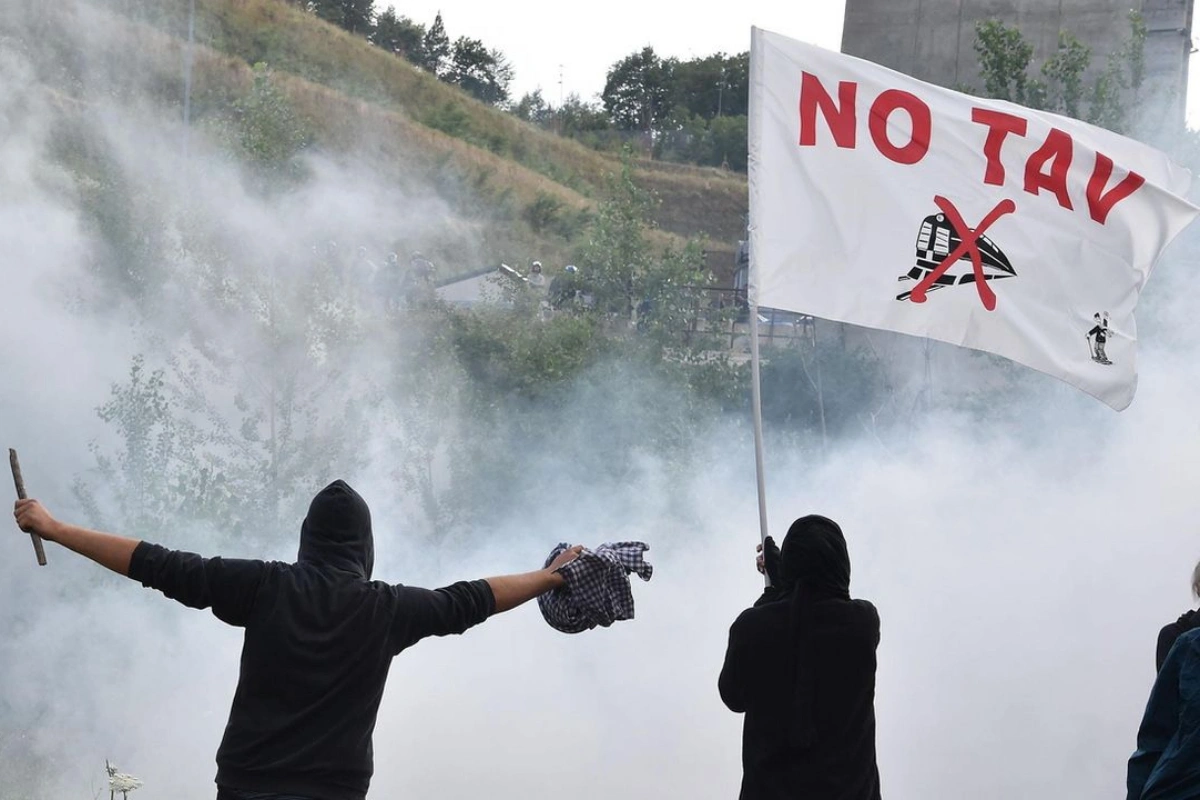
(546, 39)
(584, 39)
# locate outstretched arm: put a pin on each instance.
(511, 591)
(227, 586)
(454, 608)
(106, 549)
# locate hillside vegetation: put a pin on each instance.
(531, 191)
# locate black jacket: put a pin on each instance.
(1171, 632)
(757, 679)
(319, 639)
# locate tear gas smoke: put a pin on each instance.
(1022, 556)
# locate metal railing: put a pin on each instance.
(724, 312)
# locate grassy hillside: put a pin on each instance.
(530, 190)
(291, 40)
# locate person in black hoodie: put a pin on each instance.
(319, 639)
(1190, 620)
(801, 666)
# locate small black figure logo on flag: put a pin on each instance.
(1098, 337)
(941, 247)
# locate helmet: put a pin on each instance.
(571, 268)
(537, 265)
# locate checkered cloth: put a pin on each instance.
(597, 586)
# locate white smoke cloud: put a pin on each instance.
(1022, 563)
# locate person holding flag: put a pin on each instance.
(801, 666)
(882, 201)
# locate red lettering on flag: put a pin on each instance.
(969, 246)
(1057, 151)
(922, 126)
(1101, 202)
(999, 125)
(840, 116)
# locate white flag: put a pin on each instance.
(880, 200)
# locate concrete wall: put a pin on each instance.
(1168, 46)
(933, 40)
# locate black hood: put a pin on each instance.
(814, 556)
(816, 564)
(337, 532)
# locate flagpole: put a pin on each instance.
(756, 402)
(754, 148)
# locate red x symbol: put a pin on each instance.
(969, 246)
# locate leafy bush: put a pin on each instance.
(542, 212)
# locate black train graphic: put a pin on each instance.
(936, 240)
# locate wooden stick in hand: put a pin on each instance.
(20, 482)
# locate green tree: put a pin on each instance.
(675, 104)
(1106, 106)
(577, 116)
(532, 107)
(616, 251)
(728, 137)
(1004, 58)
(435, 48)
(157, 470)
(246, 415)
(516, 356)
(1064, 74)
(736, 85)
(267, 132)
(684, 138)
(638, 91)
(483, 73)
(1134, 52)
(421, 395)
(1116, 90)
(1004, 61)
(356, 16)
(713, 86)
(399, 35)
(630, 279)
